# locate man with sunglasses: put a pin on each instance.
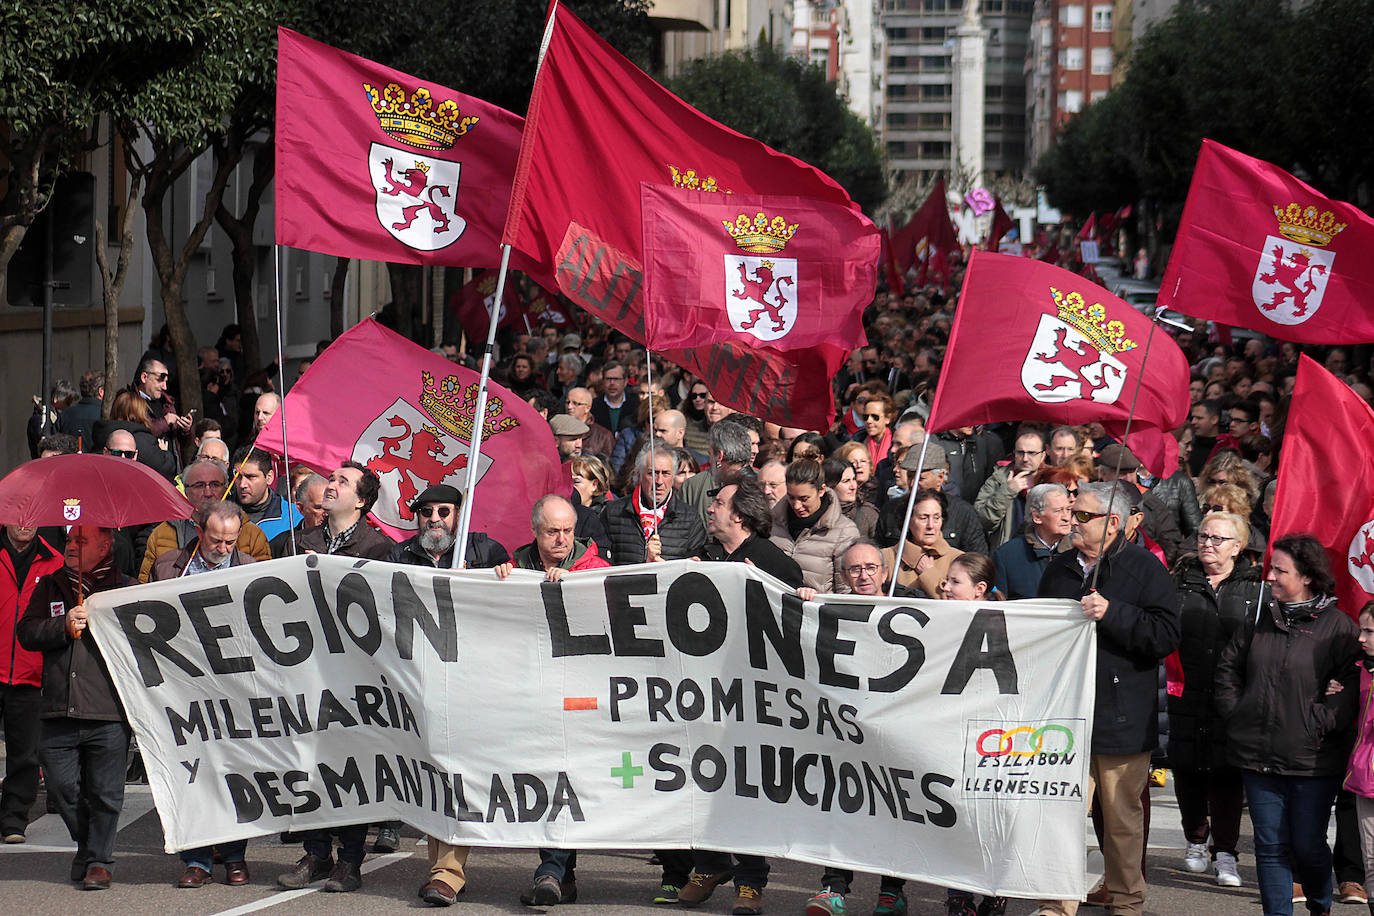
(599, 440)
(1128, 593)
(205, 480)
(150, 383)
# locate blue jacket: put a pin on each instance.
(1020, 565)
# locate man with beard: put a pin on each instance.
(436, 509)
(214, 547)
(205, 481)
(254, 490)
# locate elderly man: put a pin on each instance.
(568, 432)
(1001, 504)
(1063, 446)
(1021, 562)
(205, 482)
(555, 551)
(213, 449)
(25, 558)
(309, 500)
(1136, 608)
(254, 492)
(85, 739)
(730, 451)
(214, 548)
(653, 523)
(432, 545)
(264, 409)
(599, 440)
(349, 494)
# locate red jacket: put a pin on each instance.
(17, 664)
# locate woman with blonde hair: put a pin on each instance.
(591, 480)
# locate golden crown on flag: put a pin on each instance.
(71, 502)
(452, 407)
(416, 121)
(688, 179)
(1305, 226)
(760, 234)
(1091, 321)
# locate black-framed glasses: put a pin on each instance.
(122, 452)
(439, 511)
(206, 485)
(1083, 516)
(160, 376)
(1021, 453)
(862, 569)
(1207, 509)
(1217, 539)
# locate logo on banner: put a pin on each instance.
(1293, 270)
(1038, 759)
(71, 509)
(1072, 355)
(761, 292)
(1360, 557)
(417, 195)
(412, 447)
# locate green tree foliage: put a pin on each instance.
(789, 105)
(1292, 84)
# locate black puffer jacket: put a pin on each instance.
(1271, 689)
(1211, 618)
(1140, 627)
(681, 532)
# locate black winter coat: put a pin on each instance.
(1211, 619)
(1271, 689)
(1141, 627)
(681, 532)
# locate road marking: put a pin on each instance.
(369, 866)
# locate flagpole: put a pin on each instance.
(281, 406)
(906, 520)
(460, 544)
(1126, 432)
(649, 419)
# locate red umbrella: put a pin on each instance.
(88, 490)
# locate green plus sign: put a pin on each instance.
(626, 772)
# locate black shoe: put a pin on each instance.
(346, 876)
(546, 891)
(308, 868)
(388, 839)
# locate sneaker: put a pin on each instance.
(1228, 875)
(308, 868)
(826, 903)
(890, 903)
(1351, 892)
(960, 905)
(545, 891)
(1197, 859)
(388, 839)
(699, 889)
(14, 837)
(1298, 895)
(748, 901)
(993, 906)
(667, 895)
(1158, 776)
(346, 877)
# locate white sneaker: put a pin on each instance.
(1196, 859)
(1228, 875)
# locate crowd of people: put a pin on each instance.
(1246, 684)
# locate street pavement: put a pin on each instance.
(33, 879)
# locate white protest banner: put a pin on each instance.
(665, 705)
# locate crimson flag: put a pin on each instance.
(373, 163)
(1001, 225)
(1035, 342)
(893, 274)
(472, 303)
(597, 128)
(781, 272)
(407, 414)
(1089, 230)
(1257, 248)
(929, 239)
(1326, 479)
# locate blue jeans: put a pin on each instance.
(750, 870)
(560, 864)
(1290, 815)
(84, 761)
(204, 857)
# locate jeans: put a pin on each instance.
(1290, 815)
(83, 761)
(561, 864)
(749, 870)
(204, 857)
(352, 843)
(19, 707)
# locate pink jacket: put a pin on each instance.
(1359, 775)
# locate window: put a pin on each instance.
(1071, 15)
(1102, 18)
(934, 149)
(933, 120)
(1071, 101)
(1097, 95)
(1102, 60)
(936, 91)
(1071, 59)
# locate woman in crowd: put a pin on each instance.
(878, 413)
(810, 528)
(810, 446)
(1064, 476)
(1220, 590)
(839, 477)
(591, 480)
(1228, 497)
(856, 453)
(131, 412)
(926, 555)
(1288, 731)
